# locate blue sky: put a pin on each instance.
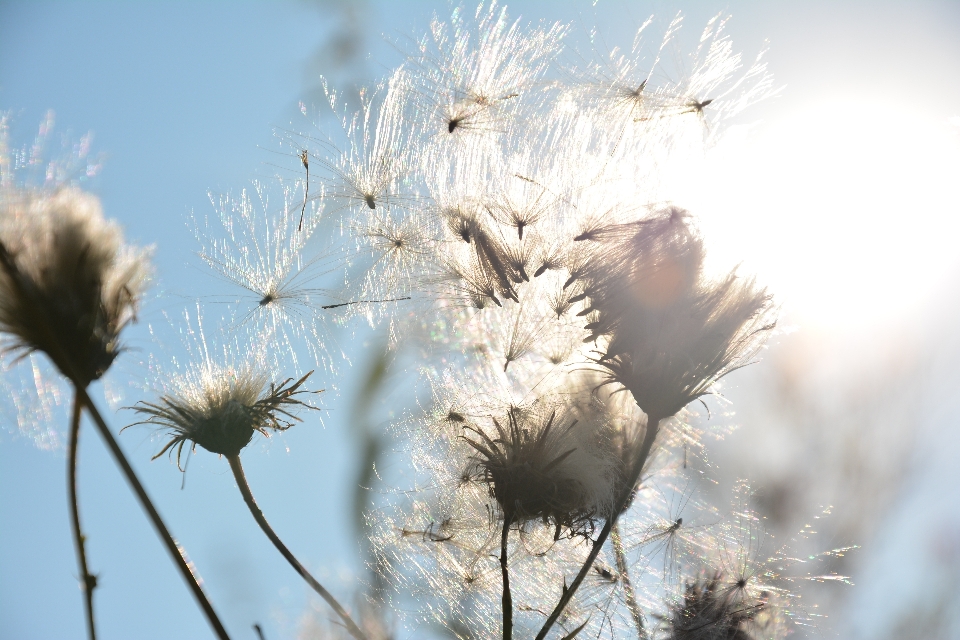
(183, 97)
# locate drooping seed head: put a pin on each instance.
(672, 333)
(68, 283)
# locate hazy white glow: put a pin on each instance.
(849, 211)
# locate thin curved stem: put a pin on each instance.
(241, 479)
(176, 551)
(507, 600)
(653, 427)
(70, 370)
(88, 580)
(624, 573)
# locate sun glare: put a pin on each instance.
(849, 211)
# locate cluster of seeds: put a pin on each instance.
(518, 211)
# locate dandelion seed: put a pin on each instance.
(550, 259)
(716, 71)
(403, 257)
(467, 79)
(487, 268)
(559, 345)
(369, 171)
(562, 301)
(456, 576)
(460, 221)
(521, 338)
(664, 532)
(523, 203)
(493, 260)
(469, 285)
(619, 81)
(262, 255)
(697, 106)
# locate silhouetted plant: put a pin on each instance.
(508, 215)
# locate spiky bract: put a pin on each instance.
(220, 409)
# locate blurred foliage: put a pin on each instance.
(341, 55)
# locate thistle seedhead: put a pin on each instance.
(220, 409)
(708, 612)
(671, 333)
(530, 469)
(68, 283)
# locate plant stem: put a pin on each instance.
(624, 572)
(653, 426)
(176, 551)
(70, 370)
(507, 601)
(89, 581)
(241, 479)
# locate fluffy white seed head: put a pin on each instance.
(68, 283)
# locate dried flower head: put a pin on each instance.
(221, 408)
(68, 283)
(671, 333)
(707, 612)
(529, 469)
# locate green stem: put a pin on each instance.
(241, 479)
(507, 601)
(89, 581)
(653, 426)
(176, 551)
(623, 571)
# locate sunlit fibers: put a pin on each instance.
(850, 212)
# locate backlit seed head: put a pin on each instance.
(672, 333)
(221, 408)
(68, 283)
(539, 467)
(707, 612)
